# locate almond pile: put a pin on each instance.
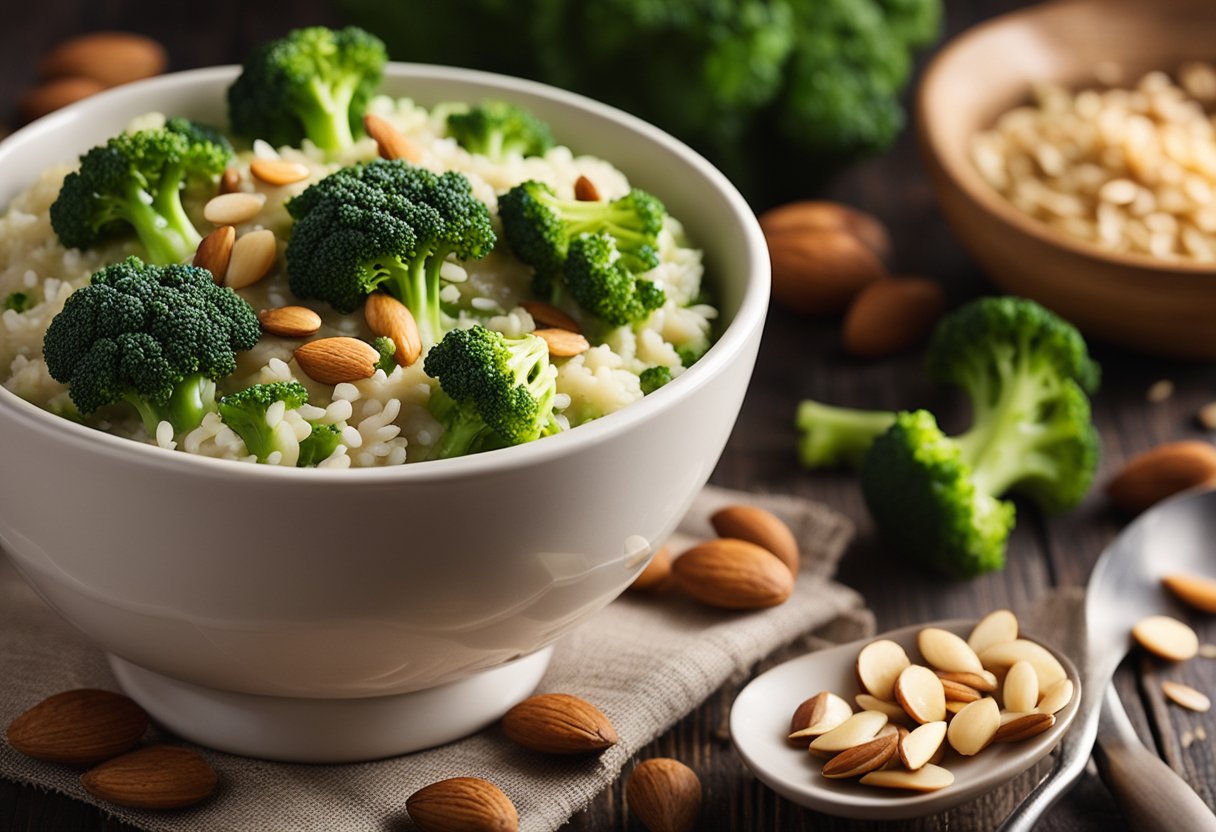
(964, 696)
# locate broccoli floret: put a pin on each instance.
(312, 83)
(319, 445)
(1027, 373)
(245, 412)
(157, 337)
(493, 391)
(652, 378)
(540, 227)
(498, 129)
(134, 181)
(599, 280)
(387, 349)
(19, 302)
(386, 224)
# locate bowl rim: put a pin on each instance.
(733, 340)
(963, 174)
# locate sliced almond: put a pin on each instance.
(973, 728)
(921, 693)
(953, 706)
(562, 342)
(878, 666)
(984, 681)
(919, 746)
(1166, 637)
(233, 208)
(761, 527)
(215, 251)
(1056, 697)
(585, 190)
(944, 650)
(290, 321)
(548, 315)
(892, 709)
(994, 628)
(335, 360)
(862, 759)
(388, 317)
(859, 728)
(390, 142)
(1023, 727)
(1021, 691)
(1187, 696)
(1197, 590)
(818, 715)
(253, 255)
(1005, 655)
(278, 172)
(929, 778)
(956, 692)
(230, 181)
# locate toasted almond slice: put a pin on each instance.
(230, 181)
(1056, 697)
(215, 251)
(1197, 590)
(390, 142)
(878, 666)
(388, 317)
(562, 342)
(939, 754)
(278, 171)
(1005, 655)
(548, 315)
(956, 692)
(290, 321)
(1187, 696)
(585, 190)
(233, 208)
(1021, 691)
(889, 728)
(253, 255)
(919, 746)
(1023, 727)
(973, 728)
(893, 711)
(1010, 716)
(928, 778)
(859, 728)
(953, 706)
(1166, 637)
(945, 651)
(920, 692)
(862, 759)
(984, 681)
(818, 715)
(994, 628)
(335, 360)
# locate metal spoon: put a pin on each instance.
(1176, 536)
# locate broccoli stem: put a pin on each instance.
(416, 284)
(161, 224)
(189, 402)
(459, 438)
(327, 122)
(837, 435)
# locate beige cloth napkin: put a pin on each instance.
(646, 662)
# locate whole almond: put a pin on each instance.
(338, 359)
(562, 342)
(388, 317)
(1166, 637)
(862, 759)
(233, 208)
(892, 315)
(156, 777)
(878, 665)
(215, 252)
(1023, 727)
(60, 92)
(665, 795)
(462, 804)
(390, 143)
(1197, 590)
(818, 715)
(814, 215)
(290, 321)
(548, 315)
(1158, 473)
(558, 723)
(253, 256)
(733, 574)
(818, 273)
(78, 727)
(657, 574)
(278, 172)
(112, 58)
(585, 190)
(759, 526)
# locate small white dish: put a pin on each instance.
(760, 721)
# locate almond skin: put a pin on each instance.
(157, 777)
(390, 318)
(111, 58)
(733, 574)
(215, 252)
(548, 315)
(892, 315)
(665, 795)
(818, 273)
(462, 804)
(78, 727)
(558, 723)
(864, 758)
(52, 95)
(290, 321)
(585, 190)
(656, 577)
(815, 215)
(1158, 473)
(339, 359)
(390, 143)
(756, 525)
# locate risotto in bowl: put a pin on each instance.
(374, 552)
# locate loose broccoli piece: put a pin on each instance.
(313, 83)
(1028, 374)
(540, 227)
(385, 225)
(498, 129)
(245, 413)
(157, 337)
(319, 445)
(652, 378)
(134, 181)
(598, 279)
(387, 350)
(493, 391)
(19, 302)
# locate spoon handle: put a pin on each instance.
(1150, 794)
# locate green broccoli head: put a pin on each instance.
(597, 278)
(386, 224)
(498, 129)
(319, 445)
(493, 392)
(652, 378)
(312, 83)
(19, 302)
(245, 412)
(134, 182)
(158, 337)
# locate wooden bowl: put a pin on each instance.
(1159, 307)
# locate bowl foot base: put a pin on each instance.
(331, 730)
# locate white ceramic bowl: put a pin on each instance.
(337, 615)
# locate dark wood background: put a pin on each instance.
(798, 359)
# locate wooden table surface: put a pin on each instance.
(798, 359)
